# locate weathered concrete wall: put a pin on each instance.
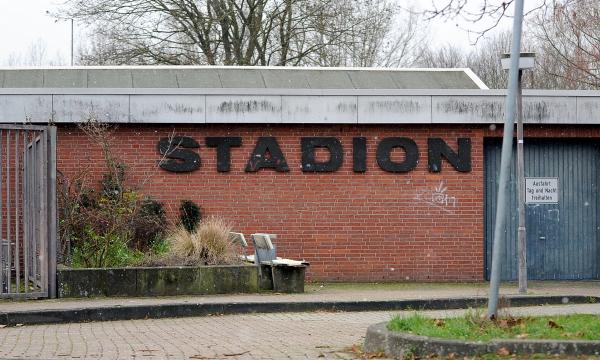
(157, 281)
(291, 106)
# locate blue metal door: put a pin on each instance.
(562, 238)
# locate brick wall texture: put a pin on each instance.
(372, 226)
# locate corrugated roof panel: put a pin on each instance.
(24, 79)
(109, 78)
(198, 78)
(205, 77)
(63, 78)
(327, 79)
(285, 79)
(453, 80)
(372, 80)
(414, 80)
(154, 78)
(241, 78)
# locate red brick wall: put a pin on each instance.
(373, 226)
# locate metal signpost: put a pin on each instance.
(509, 120)
(526, 61)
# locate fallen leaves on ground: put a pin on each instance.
(554, 325)
(503, 351)
(358, 351)
(510, 322)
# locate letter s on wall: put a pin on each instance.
(177, 157)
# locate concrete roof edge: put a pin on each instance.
(476, 79)
(221, 67)
(291, 92)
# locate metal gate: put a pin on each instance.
(562, 238)
(28, 221)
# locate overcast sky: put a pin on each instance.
(24, 22)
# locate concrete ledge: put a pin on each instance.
(183, 309)
(290, 106)
(158, 281)
(401, 345)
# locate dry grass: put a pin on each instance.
(209, 244)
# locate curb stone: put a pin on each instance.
(156, 311)
(399, 344)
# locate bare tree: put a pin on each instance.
(380, 35)
(447, 56)
(244, 32)
(482, 16)
(484, 60)
(568, 35)
(36, 54)
(101, 49)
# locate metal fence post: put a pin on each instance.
(52, 213)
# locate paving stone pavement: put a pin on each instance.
(326, 292)
(252, 336)
(320, 335)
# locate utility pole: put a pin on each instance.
(509, 121)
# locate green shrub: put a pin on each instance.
(148, 225)
(160, 247)
(189, 215)
(103, 251)
(108, 227)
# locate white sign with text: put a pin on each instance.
(541, 190)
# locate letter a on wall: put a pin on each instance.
(267, 154)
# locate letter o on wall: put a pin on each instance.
(384, 151)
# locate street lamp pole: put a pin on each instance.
(526, 61)
(72, 62)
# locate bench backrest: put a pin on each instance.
(264, 250)
(238, 239)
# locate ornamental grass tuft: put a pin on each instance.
(208, 244)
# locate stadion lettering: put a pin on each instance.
(179, 154)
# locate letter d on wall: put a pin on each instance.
(333, 145)
(177, 156)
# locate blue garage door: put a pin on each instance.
(562, 238)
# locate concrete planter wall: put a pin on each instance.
(158, 281)
(400, 345)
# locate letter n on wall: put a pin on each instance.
(437, 148)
